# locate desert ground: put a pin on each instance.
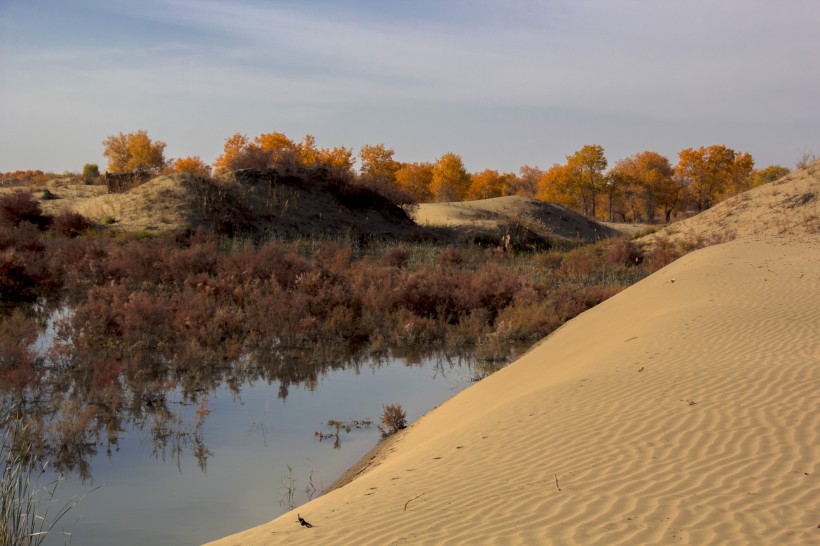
(681, 411)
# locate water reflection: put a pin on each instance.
(79, 391)
(259, 443)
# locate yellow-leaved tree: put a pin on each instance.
(416, 179)
(134, 152)
(578, 184)
(526, 183)
(338, 160)
(488, 184)
(586, 172)
(241, 153)
(450, 179)
(555, 186)
(713, 172)
(279, 150)
(192, 165)
(769, 174)
(377, 162)
(644, 183)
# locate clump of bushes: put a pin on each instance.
(394, 419)
(19, 207)
(70, 224)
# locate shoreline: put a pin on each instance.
(370, 460)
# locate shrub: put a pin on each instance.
(70, 224)
(91, 172)
(624, 252)
(451, 256)
(393, 419)
(661, 254)
(19, 207)
(24, 269)
(18, 361)
(396, 257)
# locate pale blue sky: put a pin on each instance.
(503, 84)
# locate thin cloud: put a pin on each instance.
(653, 71)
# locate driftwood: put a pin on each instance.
(411, 500)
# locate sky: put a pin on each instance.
(501, 83)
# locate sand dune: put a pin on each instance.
(490, 215)
(790, 205)
(683, 410)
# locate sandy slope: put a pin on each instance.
(491, 214)
(790, 205)
(681, 411)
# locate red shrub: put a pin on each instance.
(396, 257)
(661, 255)
(18, 362)
(450, 256)
(272, 261)
(19, 207)
(70, 224)
(24, 270)
(624, 252)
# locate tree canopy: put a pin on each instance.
(133, 152)
(644, 182)
(416, 179)
(377, 162)
(712, 172)
(450, 179)
(192, 165)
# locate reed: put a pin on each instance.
(29, 509)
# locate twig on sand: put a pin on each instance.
(411, 500)
(556, 482)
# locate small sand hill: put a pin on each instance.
(251, 202)
(681, 411)
(790, 205)
(161, 204)
(492, 216)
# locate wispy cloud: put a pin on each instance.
(222, 66)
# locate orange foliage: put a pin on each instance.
(586, 170)
(526, 183)
(416, 178)
(32, 176)
(280, 149)
(377, 162)
(338, 159)
(488, 183)
(579, 183)
(450, 179)
(642, 183)
(133, 152)
(240, 153)
(713, 172)
(191, 164)
(554, 186)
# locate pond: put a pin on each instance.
(241, 452)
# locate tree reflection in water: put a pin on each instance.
(78, 397)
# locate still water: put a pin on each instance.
(256, 444)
